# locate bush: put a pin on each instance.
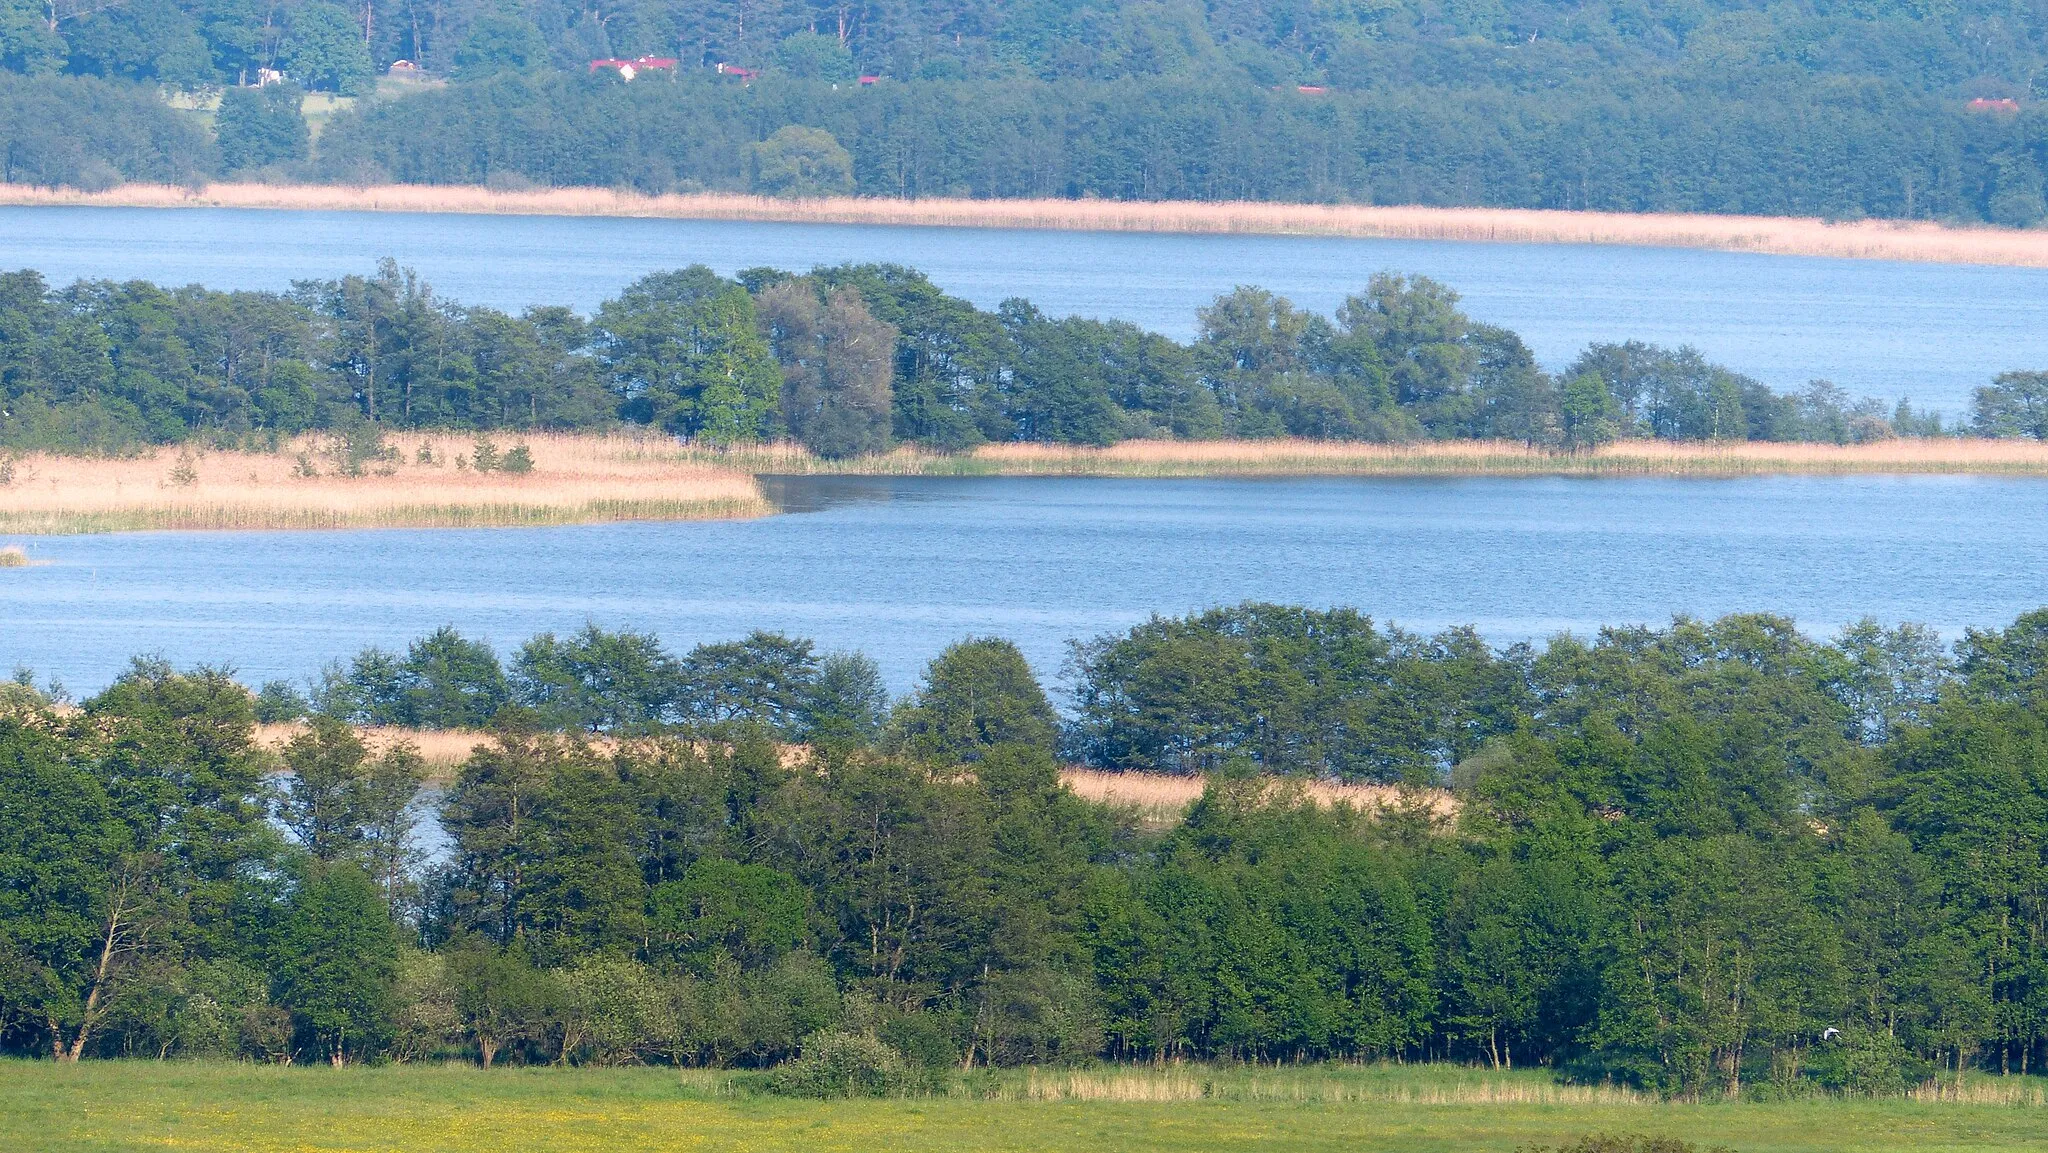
(1866, 1063)
(845, 1064)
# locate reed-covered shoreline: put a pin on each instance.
(1288, 457)
(1917, 241)
(587, 479)
(423, 481)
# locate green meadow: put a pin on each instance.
(457, 1109)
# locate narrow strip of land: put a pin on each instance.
(426, 481)
(1922, 241)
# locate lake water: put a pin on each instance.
(900, 567)
(1929, 332)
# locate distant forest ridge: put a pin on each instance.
(853, 359)
(1916, 111)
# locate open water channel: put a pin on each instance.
(901, 567)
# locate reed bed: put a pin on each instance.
(574, 479)
(1293, 457)
(1307, 1085)
(444, 750)
(1921, 241)
(2017, 1092)
(14, 556)
(1161, 797)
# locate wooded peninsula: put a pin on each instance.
(371, 401)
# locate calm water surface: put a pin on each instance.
(1928, 332)
(900, 567)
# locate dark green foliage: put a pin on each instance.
(335, 954)
(444, 681)
(2016, 404)
(499, 42)
(323, 49)
(842, 1064)
(1713, 858)
(845, 359)
(978, 695)
(1289, 690)
(259, 126)
(94, 134)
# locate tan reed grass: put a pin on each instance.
(1983, 1090)
(1164, 797)
(574, 479)
(1320, 1085)
(444, 750)
(1292, 457)
(1803, 236)
(14, 556)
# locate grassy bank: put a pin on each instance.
(152, 1105)
(1276, 458)
(1863, 240)
(426, 482)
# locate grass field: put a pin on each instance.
(1804, 236)
(144, 1105)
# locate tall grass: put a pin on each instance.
(13, 556)
(574, 479)
(1802, 236)
(1320, 1084)
(1163, 798)
(1294, 457)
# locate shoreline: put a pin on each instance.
(597, 479)
(1285, 458)
(1911, 241)
(423, 481)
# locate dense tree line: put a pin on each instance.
(850, 359)
(1717, 857)
(1833, 110)
(1839, 149)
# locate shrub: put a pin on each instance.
(845, 1064)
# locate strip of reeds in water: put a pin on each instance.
(1802, 236)
(420, 484)
(1292, 457)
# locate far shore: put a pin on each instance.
(1922, 241)
(1309, 458)
(426, 482)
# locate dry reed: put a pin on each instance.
(1983, 1090)
(14, 556)
(574, 479)
(444, 750)
(1802, 236)
(1164, 797)
(1290, 457)
(1307, 1085)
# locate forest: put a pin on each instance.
(1712, 858)
(1821, 109)
(853, 359)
